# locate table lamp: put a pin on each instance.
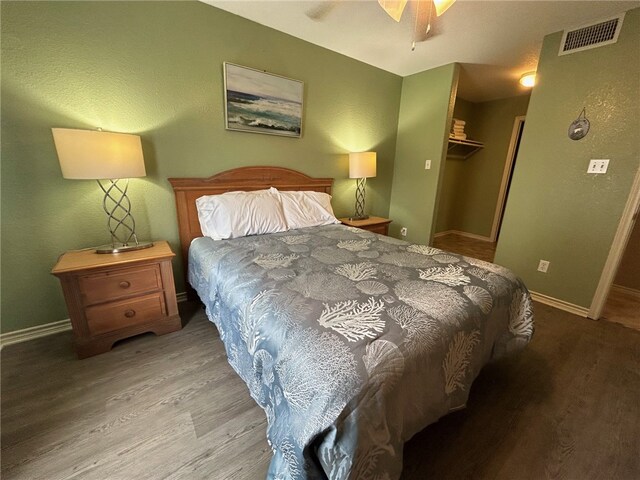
(361, 166)
(102, 156)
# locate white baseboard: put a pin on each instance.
(560, 304)
(625, 290)
(38, 331)
(463, 234)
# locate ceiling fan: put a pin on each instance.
(395, 8)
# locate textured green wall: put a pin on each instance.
(155, 69)
(471, 187)
(466, 110)
(423, 127)
(556, 211)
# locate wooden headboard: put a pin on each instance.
(187, 190)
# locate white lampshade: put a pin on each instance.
(362, 165)
(93, 155)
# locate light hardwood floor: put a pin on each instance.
(171, 407)
(623, 307)
(469, 247)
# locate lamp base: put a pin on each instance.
(360, 217)
(121, 248)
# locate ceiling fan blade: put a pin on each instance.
(442, 5)
(426, 26)
(429, 31)
(320, 11)
(393, 7)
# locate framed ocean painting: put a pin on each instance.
(261, 102)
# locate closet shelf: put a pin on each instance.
(462, 149)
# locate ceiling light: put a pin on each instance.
(528, 79)
(442, 6)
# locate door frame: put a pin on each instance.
(620, 240)
(506, 174)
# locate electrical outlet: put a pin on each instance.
(598, 166)
(403, 231)
(427, 164)
(543, 266)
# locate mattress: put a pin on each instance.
(351, 341)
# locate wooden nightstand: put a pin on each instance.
(115, 296)
(373, 224)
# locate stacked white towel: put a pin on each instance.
(457, 131)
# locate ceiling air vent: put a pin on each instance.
(591, 36)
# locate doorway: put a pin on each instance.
(507, 175)
(621, 257)
(623, 303)
(476, 178)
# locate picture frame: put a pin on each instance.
(256, 101)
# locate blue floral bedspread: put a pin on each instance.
(352, 342)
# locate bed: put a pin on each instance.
(350, 341)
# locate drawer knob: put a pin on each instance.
(125, 284)
(129, 313)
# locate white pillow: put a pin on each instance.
(306, 209)
(238, 214)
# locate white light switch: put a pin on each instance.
(427, 164)
(598, 166)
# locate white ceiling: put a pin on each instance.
(494, 41)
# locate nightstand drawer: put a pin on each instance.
(381, 229)
(103, 287)
(116, 315)
(371, 224)
(116, 296)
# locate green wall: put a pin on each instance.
(155, 69)
(423, 127)
(471, 187)
(556, 211)
(466, 110)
